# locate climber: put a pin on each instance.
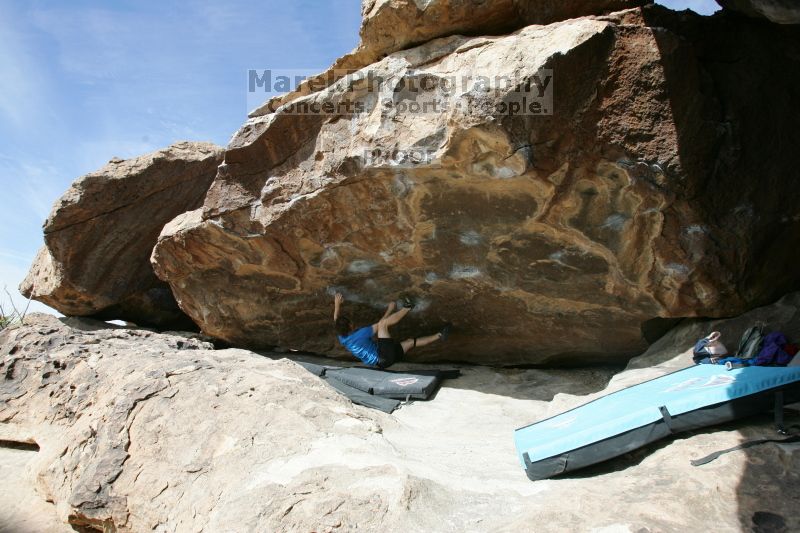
(387, 351)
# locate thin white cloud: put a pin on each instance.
(94, 154)
(77, 30)
(216, 16)
(30, 189)
(17, 257)
(21, 82)
(40, 188)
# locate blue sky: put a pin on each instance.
(84, 81)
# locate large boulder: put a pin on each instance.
(140, 431)
(780, 11)
(100, 233)
(648, 193)
(391, 25)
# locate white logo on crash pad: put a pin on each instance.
(699, 383)
(404, 382)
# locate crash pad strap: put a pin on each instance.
(779, 426)
(744, 445)
(667, 418)
(779, 412)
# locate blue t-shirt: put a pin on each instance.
(361, 345)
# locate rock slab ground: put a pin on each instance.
(23, 509)
(147, 431)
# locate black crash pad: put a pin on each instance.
(381, 389)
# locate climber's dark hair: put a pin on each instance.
(343, 326)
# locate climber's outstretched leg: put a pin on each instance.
(410, 344)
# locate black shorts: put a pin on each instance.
(389, 352)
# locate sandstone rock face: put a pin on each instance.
(780, 11)
(391, 25)
(100, 234)
(783, 316)
(141, 431)
(648, 192)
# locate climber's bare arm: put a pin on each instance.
(337, 305)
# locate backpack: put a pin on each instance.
(709, 346)
(751, 342)
(700, 351)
